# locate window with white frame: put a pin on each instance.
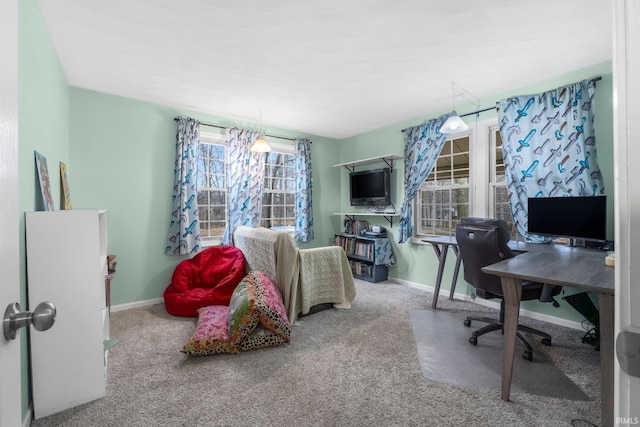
(212, 188)
(445, 195)
(498, 193)
(278, 198)
(455, 189)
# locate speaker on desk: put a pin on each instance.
(583, 305)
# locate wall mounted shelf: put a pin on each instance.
(386, 215)
(351, 166)
(387, 158)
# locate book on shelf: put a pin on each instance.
(361, 269)
(353, 246)
(353, 226)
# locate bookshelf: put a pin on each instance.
(67, 264)
(369, 257)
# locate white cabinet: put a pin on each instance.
(67, 264)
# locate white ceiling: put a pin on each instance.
(333, 68)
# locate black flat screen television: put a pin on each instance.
(370, 187)
(583, 218)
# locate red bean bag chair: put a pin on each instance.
(209, 278)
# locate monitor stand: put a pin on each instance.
(577, 243)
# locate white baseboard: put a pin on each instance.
(137, 304)
(492, 304)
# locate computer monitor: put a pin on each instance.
(583, 218)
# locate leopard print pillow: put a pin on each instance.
(257, 302)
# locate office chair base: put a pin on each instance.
(494, 325)
(546, 338)
(467, 321)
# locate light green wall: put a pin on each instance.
(418, 263)
(43, 125)
(122, 158)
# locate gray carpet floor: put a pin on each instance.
(357, 367)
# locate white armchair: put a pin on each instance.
(304, 277)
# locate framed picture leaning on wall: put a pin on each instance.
(45, 187)
(64, 181)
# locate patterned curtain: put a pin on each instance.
(184, 229)
(423, 146)
(304, 203)
(245, 175)
(549, 147)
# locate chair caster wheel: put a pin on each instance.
(467, 323)
(473, 340)
(546, 341)
(527, 355)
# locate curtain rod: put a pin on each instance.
(463, 115)
(594, 79)
(478, 112)
(225, 127)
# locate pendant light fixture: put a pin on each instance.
(260, 145)
(454, 124)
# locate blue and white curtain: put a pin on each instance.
(184, 229)
(304, 205)
(423, 146)
(549, 147)
(245, 181)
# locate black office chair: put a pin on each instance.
(483, 242)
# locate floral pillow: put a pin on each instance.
(256, 301)
(211, 335)
(243, 313)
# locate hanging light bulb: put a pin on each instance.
(454, 123)
(260, 145)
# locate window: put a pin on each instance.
(212, 188)
(498, 193)
(444, 196)
(454, 189)
(278, 197)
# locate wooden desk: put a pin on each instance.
(441, 246)
(576, 267)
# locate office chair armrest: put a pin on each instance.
(547, 294)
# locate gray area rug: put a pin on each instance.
(356, 367)
(447, 357)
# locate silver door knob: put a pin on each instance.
(42, 318)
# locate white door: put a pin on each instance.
(10, 383)
(626, 113)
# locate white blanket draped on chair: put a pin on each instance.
(304, 277)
